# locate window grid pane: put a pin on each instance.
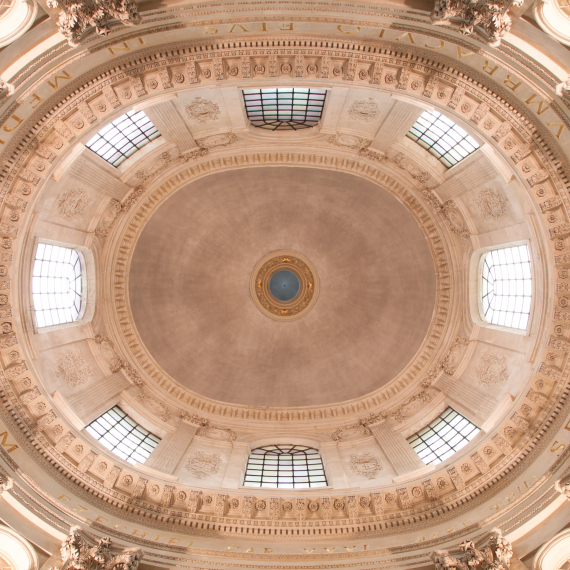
(124, 136)
(284, 109)
(447, 434)
(286, 467)
(442, 137)
(56, 285)
(122, 435)
(506, 287)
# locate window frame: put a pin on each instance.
(415, 138)
(110, 124)
(88, 285)
(260, 129)
(137, 425)
(261, 445)
(476, 288)
(418, 435)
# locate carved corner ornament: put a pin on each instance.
(496, 555)
(76, 17)
(490, 19)
(76, 554)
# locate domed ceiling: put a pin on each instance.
(190, 294)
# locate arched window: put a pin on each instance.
(285, 467)
(506, 287)
(284, 108)
(57, 285)
(441, 137)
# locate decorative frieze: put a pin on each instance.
(456, 479)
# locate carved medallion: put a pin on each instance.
(72, 204)
(492, 204)
(365, 111)
(365, 465)
(201, 111)
(73, 368)
(202, 464)
(491, 369)
(212, 141)
(299, 270)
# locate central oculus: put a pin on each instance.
(284, 285)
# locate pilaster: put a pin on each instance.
(399, 120)
(91, 170)
(476, 405)
(166, 118)
(233, 477)
(90, 402)
(336, 476)
(168, 453)
(396, 449)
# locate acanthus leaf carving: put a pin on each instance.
(76, 554)
(75, 18)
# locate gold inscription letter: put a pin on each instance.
(9, 130)
(136, 533)
(406, 34)
(511, 84)
(236, 547)
(442, 43)
(234, 26)
(268, 550)
(560, 446)
(81, 508)
(250, 549)
(118, 525)
(339, 28)
(100, 518)
(210, 33)
(125, 47)
(461, 53)
(289, 29)
(530, 101)
(61, 497)
(309, 551)
(55, 84)
(35, 98)
(4, 435)
(560, 127)
(176, 539)
(487, 68)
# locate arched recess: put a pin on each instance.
(17, 551)
(554, 554)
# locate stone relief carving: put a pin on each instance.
(76, 17)
(220, 434)
(194, 419)
(115, 209)
(155, 167)
(73, 368)
(450, 213)
(351, 432)
(365, 465)
(366, 111)
(491, 369)
(201, 111)
(496, 556)
(217, 140)
(202, 464)
(492, 204)
(406, 164)
(153, 405)
(194, 155)
(72, 204)
(490, 18)
(349, 141)
(411, 406)
(76, 554)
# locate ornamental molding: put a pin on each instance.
(14, 378)
(131, 226)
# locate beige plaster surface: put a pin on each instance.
(190, 297)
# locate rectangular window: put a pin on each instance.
(120, 434)
(441, 438)
(123, 137)
(441, 137)
(284, 108)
